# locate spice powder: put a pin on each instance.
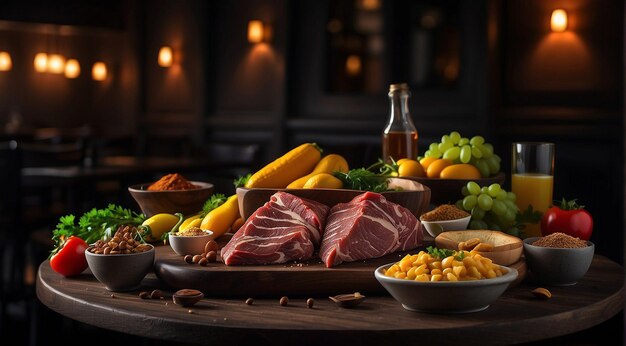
(173, 181)
(560, 240)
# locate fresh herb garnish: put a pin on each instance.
(215, 201)
(241, 181)
(443, 253)
(364, 180)
(94, 224)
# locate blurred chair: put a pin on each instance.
(12, 235)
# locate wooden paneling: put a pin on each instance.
(359, 118)
(566, 88)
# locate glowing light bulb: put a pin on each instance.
(5, 61)
(558, 21)
(353, 65)
(72, 69)
(255, 31)
(56, 63)
(166, 57)
(99, 71)
(41, 62)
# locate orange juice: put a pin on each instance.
(532, 189)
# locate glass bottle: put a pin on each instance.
(400, 135)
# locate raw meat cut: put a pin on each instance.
(368, 226)
(285, 228)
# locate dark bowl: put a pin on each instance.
(448, 191)
(171, 201)
(120, 272)
(557, 266)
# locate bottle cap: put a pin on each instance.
(398, 86)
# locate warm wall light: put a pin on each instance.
(99, 71)
(255, 31)
(72, 69)
(166, 57)
(558, 21)
(353, 65)
(5, 61)
(56, 63)
(41, 62)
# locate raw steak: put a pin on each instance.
(369, 226)
(285, 228)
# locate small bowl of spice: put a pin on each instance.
(446, 217)
(191, 241)
(173, 193)
(558, 259)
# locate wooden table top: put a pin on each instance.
(516, 317)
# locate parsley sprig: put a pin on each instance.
(364, 180)
(213, 202)
(443, 253)
(94, 224)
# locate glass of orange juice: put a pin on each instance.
(532, 179)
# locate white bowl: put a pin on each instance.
(434, 228)
(445, 296)
(189, 245)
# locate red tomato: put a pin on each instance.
(568, 218)
(70, 260)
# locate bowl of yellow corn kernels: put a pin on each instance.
(445, 281)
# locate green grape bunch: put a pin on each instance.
(491, 207)
(474, 151)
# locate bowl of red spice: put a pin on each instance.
(446, 217)
(558, 259)
(172, 193)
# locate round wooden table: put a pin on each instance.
(516, 317)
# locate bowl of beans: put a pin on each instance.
(446, 217)
(558, 259)
(121, 262)
(171, 194)
(457, 282)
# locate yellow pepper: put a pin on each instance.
(157, 225)
(287, 168)
(192, 221)
(328, 164)
(221, 218)
(323, 181)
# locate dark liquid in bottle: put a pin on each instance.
(399, 145)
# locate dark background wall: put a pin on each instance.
(516, 81)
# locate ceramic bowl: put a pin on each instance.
(189, 245)
(507, 249)
(448, 191)
(434, 228)
(171, 201)
(120, 272)
(445, 296)
(557, 266)
(413, 196)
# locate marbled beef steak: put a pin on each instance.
(369, 226)
(285, 228)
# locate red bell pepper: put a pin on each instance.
(70, 260)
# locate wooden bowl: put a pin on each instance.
(171, 201)
(507, 249)
(448, 191)
(415, 196)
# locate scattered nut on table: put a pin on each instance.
(541, 293)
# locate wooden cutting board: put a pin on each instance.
(310, 278)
